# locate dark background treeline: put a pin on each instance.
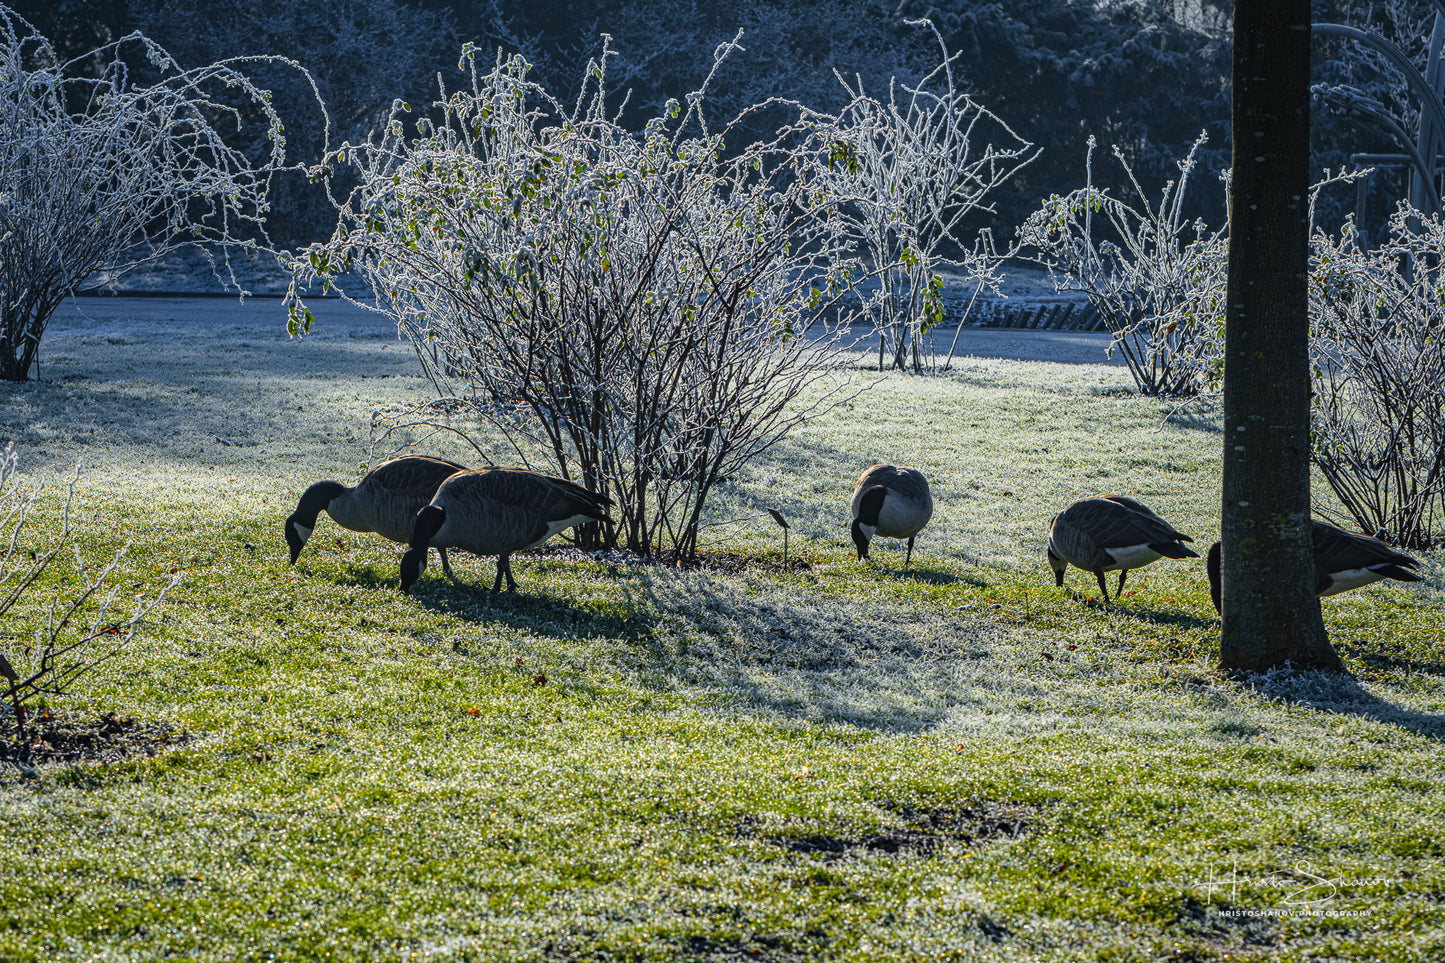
(1146, 75)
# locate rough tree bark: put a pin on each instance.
(1270, 612)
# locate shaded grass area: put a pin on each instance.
(736, 762)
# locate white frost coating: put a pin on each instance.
(159, 170)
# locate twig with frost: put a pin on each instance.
(72, 633)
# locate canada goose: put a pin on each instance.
(385, 501)
(497, 511)
(1117, 532)
(892, 502)
(1343, 560)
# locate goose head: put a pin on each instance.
(413, 564)
(428, 522)
(1057, 564)
(296, 535)
(865, 526)
(862, 535)
(314, 501)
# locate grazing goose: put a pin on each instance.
(892, 502)
(497, 511)
(1343, 560)
(385, 501)
(1103, 534)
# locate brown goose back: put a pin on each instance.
(1083, 533)
(387, 499)
(498, 511)
(908, 505)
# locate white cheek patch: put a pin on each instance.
(301, 530)
(866, 529)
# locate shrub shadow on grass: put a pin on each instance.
(146, 414)
(69, 738)
(527, 611)
(1223, 928)
(1205, 414)
(792, 654)
(737, 635)
(1343, 694)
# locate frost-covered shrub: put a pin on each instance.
(1156, 278)
(104, 172)
(629, 307)
(51, 637)
(1379, 388)
(912, 167)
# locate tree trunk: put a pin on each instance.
(1270, 612)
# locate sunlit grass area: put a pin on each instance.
(832, 761)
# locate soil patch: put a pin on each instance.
(59, 739)
(922, 832)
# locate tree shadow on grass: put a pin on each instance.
(1174, 618)
(1380, 662)
(935, 576)
(1342, 694)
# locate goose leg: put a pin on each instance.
(1120, 590)
(501, 566)
(909, 557)
(1099, 574)
(446, 566)
(506, 562)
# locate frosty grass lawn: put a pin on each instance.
(623, 762)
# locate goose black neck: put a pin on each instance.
(871, 505)
(429, 521)
(316, 499)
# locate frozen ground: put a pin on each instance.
(207, 398)
(189, 271)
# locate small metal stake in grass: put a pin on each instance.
(778, 517)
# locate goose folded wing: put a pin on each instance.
(415, 475)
